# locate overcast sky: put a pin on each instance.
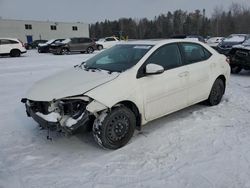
(91, 11)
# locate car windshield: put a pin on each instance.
(101, 40)
(118, 58)
(50, 41)
(65, 41)
(235, 38)
(247, 42)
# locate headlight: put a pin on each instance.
(73, 108)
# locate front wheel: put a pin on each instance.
(216, 92)
(114, 129)
(64, 51)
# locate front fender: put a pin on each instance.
(95, 106)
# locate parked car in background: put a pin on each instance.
(69, 45)
(34, 44)
(11, 46)
(126, 86)
(214, 41)
(44, 48)
(240, 57)
(106, 42)
(226, 45)
(190, 37)
(196, 37)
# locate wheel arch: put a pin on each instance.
(133, 107)
(223, 78)
(14, 50)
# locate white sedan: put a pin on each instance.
(107, 42)
(124, 87)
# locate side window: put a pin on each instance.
(194, 53)
(81, 40)
(110, 39)
(167, 56)
(4, 41)
(87, 40)
(74, 40)
(13, 42)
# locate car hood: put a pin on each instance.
(228, 44)
(43, 45)
(72, 82)
(242, 46)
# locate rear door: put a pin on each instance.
(87, 42)
(196, 58)
(74, 44)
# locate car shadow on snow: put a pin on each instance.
(172, 119)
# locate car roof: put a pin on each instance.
(158, 41)
(10, 39)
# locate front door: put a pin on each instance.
(166, 92)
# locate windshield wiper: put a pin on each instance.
(93, 68)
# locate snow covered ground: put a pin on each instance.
(198, 147)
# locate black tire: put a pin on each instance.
(99, 47)
(236, 69)
(90, 50)
(64, 51)
(216, 92)
(15, 53)
(114, 129)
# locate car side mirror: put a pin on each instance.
(152, 69)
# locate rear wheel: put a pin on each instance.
(15, 53)
(99, 47)
(216, 92)
(90, 50)
(114, 129)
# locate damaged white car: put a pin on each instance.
(128, 85)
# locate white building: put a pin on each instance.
(28, 31)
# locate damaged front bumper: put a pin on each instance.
(58, 119)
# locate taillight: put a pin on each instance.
(228, 60)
